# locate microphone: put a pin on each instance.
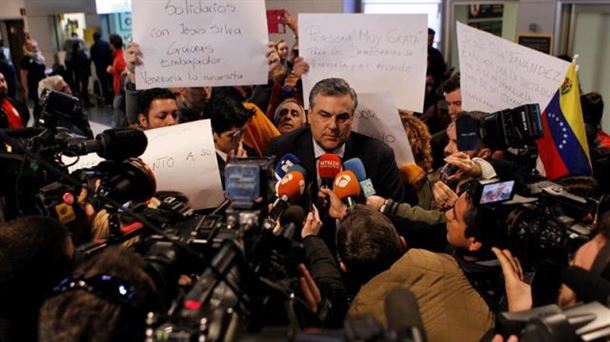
(346, 187)
(283, 166)
(402, 313)
(112, 144)
(355, 165)
(292, 221)
(290, 188)
(329, 165)
(587, 286)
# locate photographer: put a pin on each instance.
(519, 293)
(106, 299)
(373, 256)
(35, 253)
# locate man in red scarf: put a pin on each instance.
(11, 113)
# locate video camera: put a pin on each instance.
(538, 219)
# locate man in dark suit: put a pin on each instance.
(332, 104)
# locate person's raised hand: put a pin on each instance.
(273, 59)
(300, 67)
(312, 223)
(375, 202)
(291, 21)
(444, 197)
(467, 168)
(133, 57)
(518, 292)
(338, 209)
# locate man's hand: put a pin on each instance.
(375, 202)
(300, 67)
(312, 224)
(444, 197)
(273, 59)
(291, 21)
(338, 209)
(518, 292)
(467, 168)
(310, 290)
(133, 57)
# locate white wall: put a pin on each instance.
(9, 9)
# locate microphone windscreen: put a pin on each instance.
(329, 166)
(298, 168)
(355, 165)
(286, 162)
(587, 286)
(121, 143)
(294, 214)
(346, 185)
(402, 311)
(292, 185)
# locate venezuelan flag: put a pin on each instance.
(564, 149)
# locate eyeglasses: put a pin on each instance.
(104, 285)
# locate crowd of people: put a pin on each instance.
(424, 229)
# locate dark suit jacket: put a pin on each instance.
(377, 157)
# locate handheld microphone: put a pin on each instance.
(284, 164)
(587, 286)
(404, 318)
(113, 144)
(329, 165)
(292, 222)
(357, 167)
(290, 188)
(346, 187)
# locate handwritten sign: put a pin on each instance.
(497, 74)
(372, 52)
(194, 43)
(377, 117)
(183, 159)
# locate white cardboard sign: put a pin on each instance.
(183, 159)
(200, 43)
(377, 117)
(497, 74)
(372, 52)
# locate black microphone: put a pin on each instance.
(404, 319)
(587, 286)
(292, 221)
(112, 144)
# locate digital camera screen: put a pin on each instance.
(497, 192)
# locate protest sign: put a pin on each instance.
(372, 52)
(497, 74)
(183, 159)
(377, 117)
(200, 43)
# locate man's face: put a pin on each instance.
(456, 226)
(290, 117)
(197, 97)
(62, 87)
(331, 120)
(454, 103)
(3, 86)
(162, 113)
(229, 139)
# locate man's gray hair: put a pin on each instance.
(332, 87)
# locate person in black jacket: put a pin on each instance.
(101, 55)
(332, 105)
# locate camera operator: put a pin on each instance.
(373, 256)
(35, 253)
(106, 299)
(519, 293)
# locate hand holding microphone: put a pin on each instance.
(347, 188)
(290, 188)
